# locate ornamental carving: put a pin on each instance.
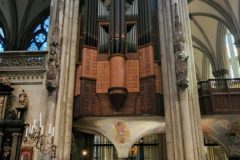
(181, 60)
(53, 60)
(23, 61)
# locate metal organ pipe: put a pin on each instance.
(117, 91)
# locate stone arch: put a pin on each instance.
(135, 128)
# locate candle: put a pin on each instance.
(42, 130)
(26, 133)
(49, 130)
(40, 118)
(53, 131)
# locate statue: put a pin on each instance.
(181, 60)
(4, 81)
(23, 100)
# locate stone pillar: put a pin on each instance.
(182, 113)
(63, 40)
(14, 148)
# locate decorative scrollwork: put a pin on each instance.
(181, 60)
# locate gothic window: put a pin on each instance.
(232, 54)
(39, 36)
(2, 44)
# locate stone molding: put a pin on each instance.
(22, 66)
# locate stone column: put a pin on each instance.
(182, 113)
(14, 148)
(63, 39)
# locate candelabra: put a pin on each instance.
(34, 133)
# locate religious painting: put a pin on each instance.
(26, 153)
(121, 132)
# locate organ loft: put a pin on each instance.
(118, 99)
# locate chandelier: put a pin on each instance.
(44, 141)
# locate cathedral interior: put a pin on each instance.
(119, 79)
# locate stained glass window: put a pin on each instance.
(39, 38)
(2, 44)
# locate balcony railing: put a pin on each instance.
(219, 96)
(22, 64)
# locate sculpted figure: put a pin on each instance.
(4, 81)
(23, 100)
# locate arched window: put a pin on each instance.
(39, 36)
(232, 54)
(2, 44)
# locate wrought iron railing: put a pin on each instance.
(219, 95)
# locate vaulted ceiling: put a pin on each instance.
(207, 18)
(18, 16)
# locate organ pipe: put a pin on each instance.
(117, 91)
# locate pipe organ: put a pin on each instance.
(118, 71)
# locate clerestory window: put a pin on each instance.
(2, 37)
(39, 36)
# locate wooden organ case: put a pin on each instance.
(118, 71)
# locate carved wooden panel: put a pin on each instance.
(78, 81)
(158, 81)
(102, 77)
(220, 103)
(146, 101)
(88, 99)
(235, 102)
(146, 61)
(89, 63)
(132, 71)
